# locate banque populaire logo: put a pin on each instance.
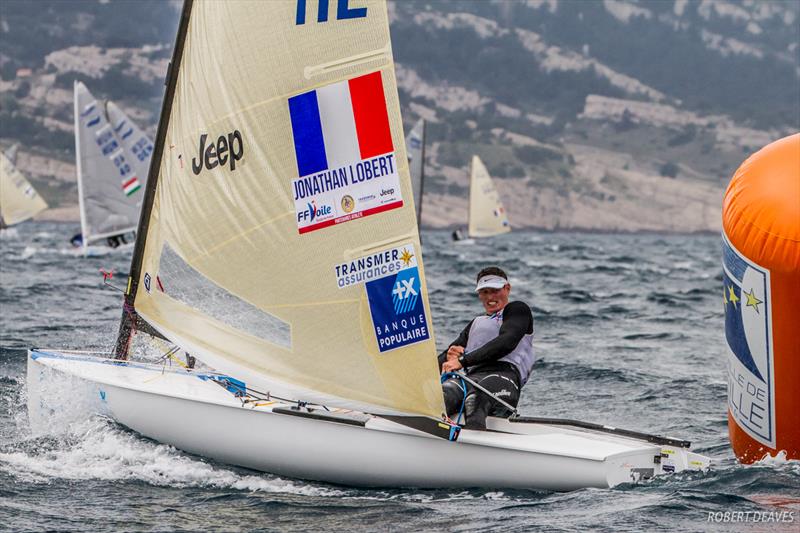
(394, 294)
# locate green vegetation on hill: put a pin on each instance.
(535, 94)
(666, 51)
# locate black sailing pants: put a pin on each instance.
(501, 379)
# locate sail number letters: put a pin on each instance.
(343, 11)
(227, 148)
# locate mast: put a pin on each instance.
(81, 207)
(130, 319)
(421, 182)
(469, 193)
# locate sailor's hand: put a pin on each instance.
(451, 365)
(454, 352)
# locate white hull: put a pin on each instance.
(200, 416)
(99, 250)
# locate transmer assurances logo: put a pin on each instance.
(398, 314)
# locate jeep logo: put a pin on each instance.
(386, 192)
(230, 148)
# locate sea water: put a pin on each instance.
(629, 332)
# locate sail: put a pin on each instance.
(19, 201)
(11, 154)
(487, 216)
(415, 143)
(109, 179)
(138, 147)
(278, 242)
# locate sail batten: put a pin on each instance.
(248, 138)
(356, 60)
(487, 216)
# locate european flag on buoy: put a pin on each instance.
(761, 291)
(750, 366)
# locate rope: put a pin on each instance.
(170, 354)
(490, 394)
(448, 375)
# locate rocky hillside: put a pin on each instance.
(602, 115)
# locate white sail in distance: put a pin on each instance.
(110, 178)
(415, 144)
(487, 216)
(137, 145)
(281, 246)
(19, 201)
(11, 154)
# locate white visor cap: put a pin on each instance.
(491, 281)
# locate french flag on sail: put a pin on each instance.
(339, 124)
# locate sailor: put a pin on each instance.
(495, 350)
(77, 240)
(113, 241)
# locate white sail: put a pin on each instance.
(110, 179)
(487, 216)
(19, 201)
(138, 147)
(11, 154)
(281, 246)
(415, 144)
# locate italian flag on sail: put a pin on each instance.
(131, 186)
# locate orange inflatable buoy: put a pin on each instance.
(761, 293)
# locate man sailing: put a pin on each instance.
(495, 350)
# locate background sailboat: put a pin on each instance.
(281, 200)
(415, 144)
(487, 216)
(19, 201)
(112, 157)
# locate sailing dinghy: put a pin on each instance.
(487, 217)
(415, 144)
(112, 156)
(19, 201)
(278, 247)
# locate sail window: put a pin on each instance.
(183, 283)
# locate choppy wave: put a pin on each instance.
(625, 335)
(571, 372)
(97, 449)
(9, 234)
